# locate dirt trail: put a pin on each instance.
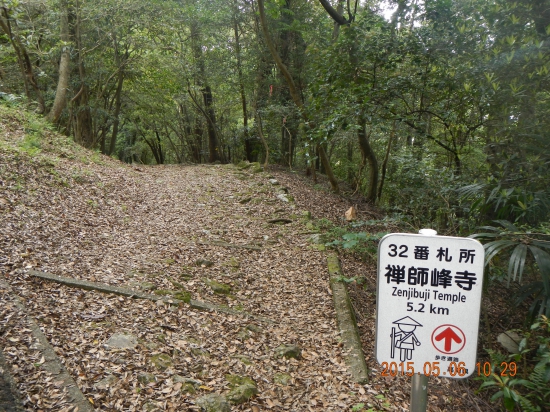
(163, 229)
(199, 232)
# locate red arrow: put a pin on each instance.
(449, 335)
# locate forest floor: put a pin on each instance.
(174, 229)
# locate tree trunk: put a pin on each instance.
(248, 142)
(285, 47)
(262, 138)
(385, 162)
(64, 66)
(213, 149)
(370, 157)
(336, 29)
(159, 145)
(282, 67)
(294, 93)
(155, 147)
(116, 114)
(350, 160)
(23, 60)
(197, 147)
(83, 132)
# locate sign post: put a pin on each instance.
(428, 303)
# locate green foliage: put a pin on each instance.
(31, 144)
(521, 240)
(532, 392)
(510, 396)
(356, 279)
(523, 203)
(424, 195)
(353, 239)
(11, 100)
(362, 243)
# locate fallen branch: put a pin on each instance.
(230, 245)
(279, 220)
(102, 287)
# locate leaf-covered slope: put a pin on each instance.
(172, 230)
(74, 213)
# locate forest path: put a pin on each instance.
(167, 229)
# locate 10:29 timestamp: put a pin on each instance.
(506, 369)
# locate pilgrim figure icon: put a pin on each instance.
(404, 339)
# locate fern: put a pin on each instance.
(527, 406)
(538, 384)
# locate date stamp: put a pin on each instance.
(453, 369)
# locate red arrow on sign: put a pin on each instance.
(449, 335)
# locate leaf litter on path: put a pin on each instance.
(103, 221)
(125, 228)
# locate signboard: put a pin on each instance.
(428, 303)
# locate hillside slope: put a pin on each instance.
(74, 213)
(198, 231)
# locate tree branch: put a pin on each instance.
(334, 14)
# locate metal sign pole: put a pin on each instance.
(419, 393)
(419, 382)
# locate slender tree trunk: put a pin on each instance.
(350, 159)
(264, 141)
(213, 149)
(23, 60)
(294, 93)
(336, 29)
(60, 100)
(370, 157)
(159, 145)
(116, 114)
(102, 134)
(193, 133)
(386, 159)
(285, 47)
(155, 149)
(248, 142)
(282, 67)
(312, 167)
(177, 153)
(198, 133)
(83, 131)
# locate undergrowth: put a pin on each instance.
(28, 134)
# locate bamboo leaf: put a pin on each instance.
(493, 228)
(519, 382)
(541, 243)
(483, 235)
(488, 383)
(507, 225)
(517, 262)
(543, 262)
(492, 248)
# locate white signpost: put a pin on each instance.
(428, 303)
